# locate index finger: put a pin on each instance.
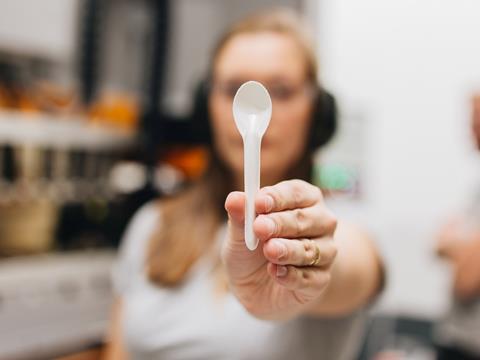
(287, 195)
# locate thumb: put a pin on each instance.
(240, 262)
(235, 206)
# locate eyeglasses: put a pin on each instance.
(279, 92)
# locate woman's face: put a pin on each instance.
(276, 61)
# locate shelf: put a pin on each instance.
(60, 132)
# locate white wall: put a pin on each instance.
(44, 28)
(410, 66)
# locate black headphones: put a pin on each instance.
(323, 126)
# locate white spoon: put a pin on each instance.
(252, 110)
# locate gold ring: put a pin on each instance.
(316, 259)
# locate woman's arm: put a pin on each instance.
(114, 347)
(357, 274)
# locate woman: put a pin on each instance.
(188, 286)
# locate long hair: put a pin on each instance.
(191, 219)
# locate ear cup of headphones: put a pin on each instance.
(199, 118)
(324, 117)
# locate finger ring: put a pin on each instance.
(316, 259)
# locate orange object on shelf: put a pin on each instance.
(5, 98)
(191, 160)
(17, 99)
(26, 103)
(42, 97)
(116, 109)
(52, 98)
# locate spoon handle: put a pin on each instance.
(252, 184)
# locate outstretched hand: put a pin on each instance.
(291, 266)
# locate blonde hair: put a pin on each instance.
(191, 219)
(280, 21)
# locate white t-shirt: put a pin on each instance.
(191, 321)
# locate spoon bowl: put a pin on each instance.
(252, 102)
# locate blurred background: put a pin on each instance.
(95, 97)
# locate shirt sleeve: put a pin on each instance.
(130, 261)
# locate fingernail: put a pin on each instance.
(270, 225)
(281, 271)
(281, 249)
(268, 203)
